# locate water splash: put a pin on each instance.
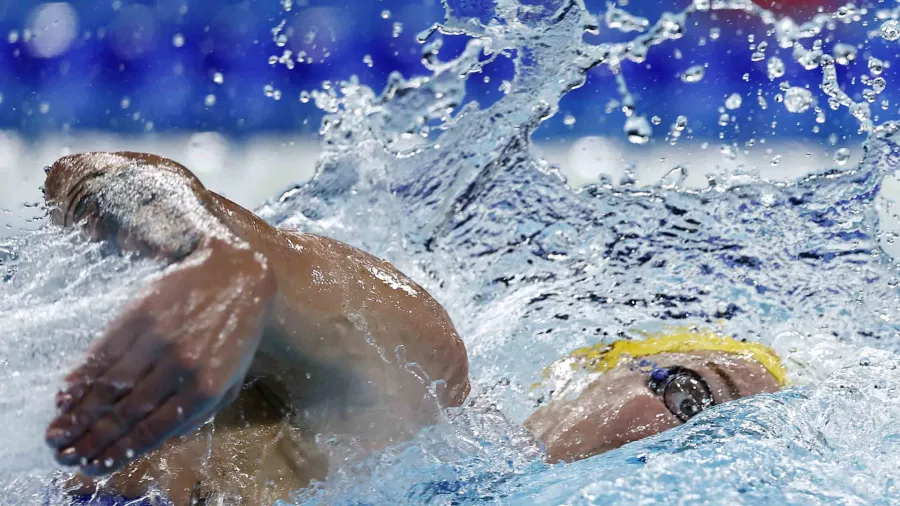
(530, 269)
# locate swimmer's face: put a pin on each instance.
(622, 405)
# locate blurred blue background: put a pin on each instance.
(172, 66)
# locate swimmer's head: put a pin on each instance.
(609, 395)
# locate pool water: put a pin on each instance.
(530, 269)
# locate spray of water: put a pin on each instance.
(530, 269)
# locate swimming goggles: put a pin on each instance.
(682, 390)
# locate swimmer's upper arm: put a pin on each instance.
(366, 300)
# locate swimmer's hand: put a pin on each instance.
(174, 358)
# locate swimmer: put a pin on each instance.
(606, 396)
(285, 336)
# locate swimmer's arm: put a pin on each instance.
(181, 350)
(274, 282)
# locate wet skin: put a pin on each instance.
(316, 331)
(619, 407)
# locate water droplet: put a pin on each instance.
(723, 119)
(845, 11)
(729, 152)
(656, 120)
(798, 100)
(218, 78)
(638, 130)
(693, 74)
(878, 85)
(210, 100)
(890, 30)
(44, 108)
(129, 454)
(674, 178)
(714, 33)
(734, 101)
(775, 160)
(304, 97)
(13, 37)
(775, 68)
(680, 124)
(569, 120)
(618, 19)
(861, 112)
(367, 59)
(841, 156)
(876, 66)
(125, 103)
(385, 14)
(820, 115)
(844, 53)
(109, 462)
(178, 40)
(397, 29)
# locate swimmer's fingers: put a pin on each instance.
(104, 391)
(118, 339)
(152, 422)
(97, 462)
(153, 391)
(146, 436)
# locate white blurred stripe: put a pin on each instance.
(253, 170)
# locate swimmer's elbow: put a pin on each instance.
(459, 385)
(454, 360)
(139, 203)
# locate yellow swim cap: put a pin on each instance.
(603, 357)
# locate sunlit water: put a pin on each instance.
(530, 269)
